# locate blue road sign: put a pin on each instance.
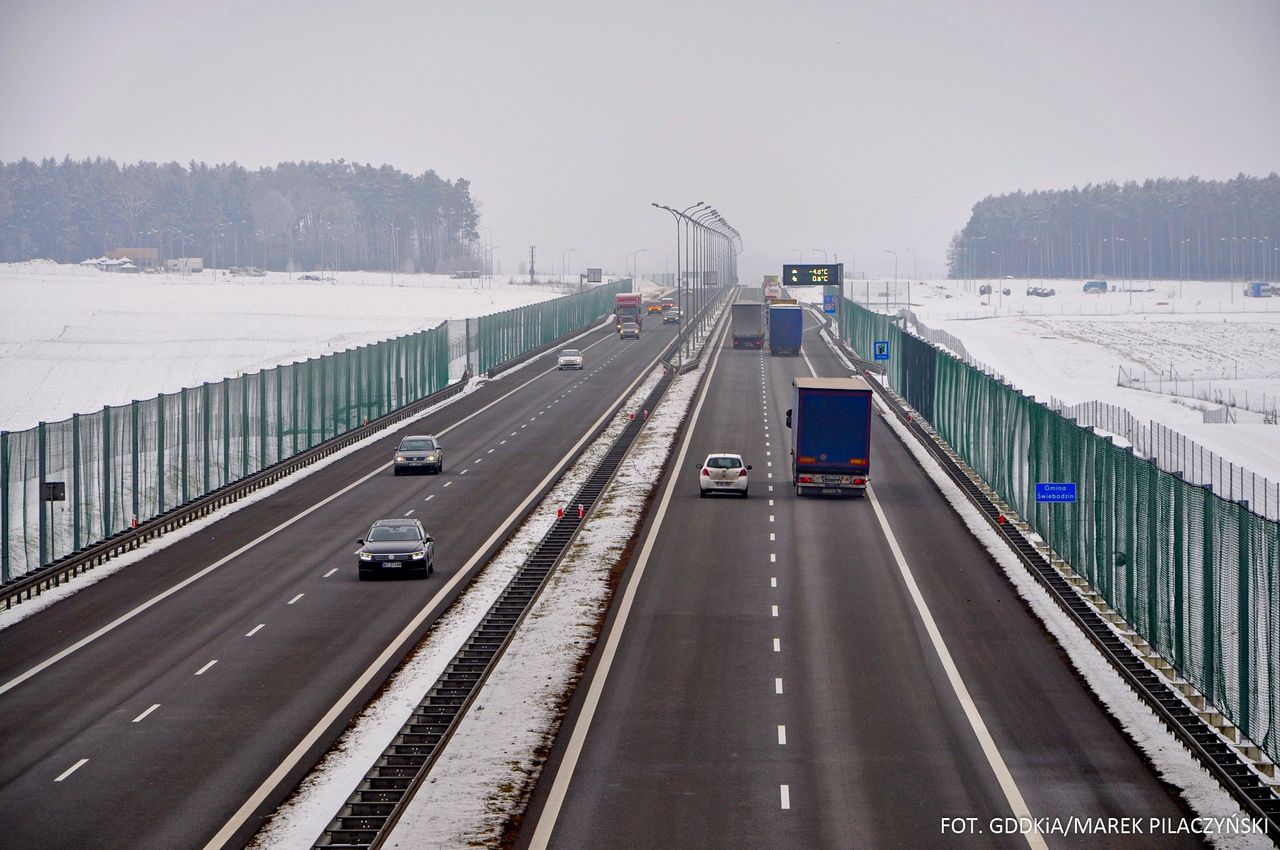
(881, 350)
(829, 304)
(1046, 492)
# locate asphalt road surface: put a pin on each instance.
(776, 685)
(156, 732)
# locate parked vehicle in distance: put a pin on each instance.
(671, 317)
(830, 422)
(1038, 291)
(786, 328)
(1258, 289)
(748, 324)
(629, 330)
(1098, 287)
(570, 358)
(419, 452)
(395, 546)
(723, 472)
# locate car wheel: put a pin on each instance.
(702, 493)
(744, 492)
(431, 567)
(395, 471)
(364, 576)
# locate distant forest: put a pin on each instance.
(1160, 229)
(304, 215)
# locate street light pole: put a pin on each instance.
(895, 279)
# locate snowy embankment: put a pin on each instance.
(73, 339)
(1071, 346)
(489, 766)
(1171, 760)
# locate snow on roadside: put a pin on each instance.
(1172, 761)
(300, 820)
(485, 775)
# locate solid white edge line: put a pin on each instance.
(160, 597)
(70, 770)
(989, 749)
(143, 715)
(573, 750)
(295, 755)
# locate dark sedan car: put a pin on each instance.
(419, 452)
(396, 546)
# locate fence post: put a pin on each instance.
(206, 428)
(75, 481)
(246, 439)
(262, 419)
(1244, 629)
(133, 418)
(184, 442)
(40, 472)
(1209, 612)
(106, 471)
(4, 506)
(160, 470)
(226, 431)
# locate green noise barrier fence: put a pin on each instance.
(134, 462)
(1194, 574)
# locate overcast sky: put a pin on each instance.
(846, 126)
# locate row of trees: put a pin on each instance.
(303, 215)
(1159, 229)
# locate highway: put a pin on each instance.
(177, 702)
(777, 682)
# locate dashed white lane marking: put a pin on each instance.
(432, 496)
(786, 796)
(774, 610)
(980, 731)
(771, 500)
(770, 517)
(200, 672)
(773, 557)
(772, 536)
(768, 463)
(770, 474)
(464, 472)
(477, 460)
(782, 735)
(768, 454)
(447, 483)
(771, 490)
(503, 443)
(296, 598)
(531, 418)
(773, 581)
(70, 770)
(777, 644)
(331, 572)
(491, 450)
(513, 433)
(255, 630)
(777, 685)
(526, 425)
(143, 716)
(410, 511)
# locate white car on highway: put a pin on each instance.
(723, 472)
(570, 358)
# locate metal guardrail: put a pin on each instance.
(51, 575)
(1224, 762)
(372, 810)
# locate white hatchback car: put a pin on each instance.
(570, 358)
(723, 473)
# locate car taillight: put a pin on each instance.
(706, 472)
(805, 479)
(859, 481)
(742, 473)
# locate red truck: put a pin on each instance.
(627, 308)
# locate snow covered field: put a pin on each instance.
(1070, 346)
(73, 339)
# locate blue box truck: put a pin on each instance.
(830, 422)
(786, 325)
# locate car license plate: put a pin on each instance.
(723, 483)
(391, 565)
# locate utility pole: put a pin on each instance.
(531, 253)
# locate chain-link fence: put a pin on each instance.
(132, 462)
(1196, 575)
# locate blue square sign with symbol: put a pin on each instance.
(881, 350)
(829, 304)
(1050, 492)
